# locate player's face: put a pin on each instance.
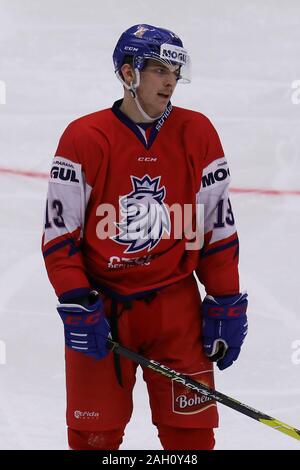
(157, 85)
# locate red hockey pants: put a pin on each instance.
(168, 329)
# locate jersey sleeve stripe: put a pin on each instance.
(69, 241)
(220, 248)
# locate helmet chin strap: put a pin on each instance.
(133, 91)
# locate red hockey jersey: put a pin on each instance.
(124, 204)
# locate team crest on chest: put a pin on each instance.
(144, 217)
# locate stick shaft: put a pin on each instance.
(203, 389)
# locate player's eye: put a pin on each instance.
(177, 73)
(161, 70)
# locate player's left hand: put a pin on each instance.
(224, 327)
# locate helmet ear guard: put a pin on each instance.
(133, 85)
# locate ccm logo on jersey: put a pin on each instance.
(215, 176)
(147, 159)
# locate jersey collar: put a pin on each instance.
(156, 125)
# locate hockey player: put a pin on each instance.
(122, 265)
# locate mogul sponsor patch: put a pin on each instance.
(65, 171)
(215, 174)
(174, 53)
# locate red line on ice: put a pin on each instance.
(267, 192)
(29, 173)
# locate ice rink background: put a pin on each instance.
(55, 62)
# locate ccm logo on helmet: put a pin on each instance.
(64, 174)
(130, 49)
(215, 176)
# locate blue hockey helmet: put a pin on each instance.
(144, 41)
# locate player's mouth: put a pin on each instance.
(165, 96)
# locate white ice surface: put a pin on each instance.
(55, 60)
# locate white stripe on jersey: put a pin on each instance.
(214, 188)
(68, 196)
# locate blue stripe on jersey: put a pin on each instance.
(69, 241)
(120, 297)
(212, 251)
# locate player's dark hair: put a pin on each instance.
(128, 59)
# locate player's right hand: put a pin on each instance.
(86, 327)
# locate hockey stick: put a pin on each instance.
(205, 390)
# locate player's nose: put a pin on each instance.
(170, 80)
(169, 85)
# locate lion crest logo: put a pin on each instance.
(143, 214)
